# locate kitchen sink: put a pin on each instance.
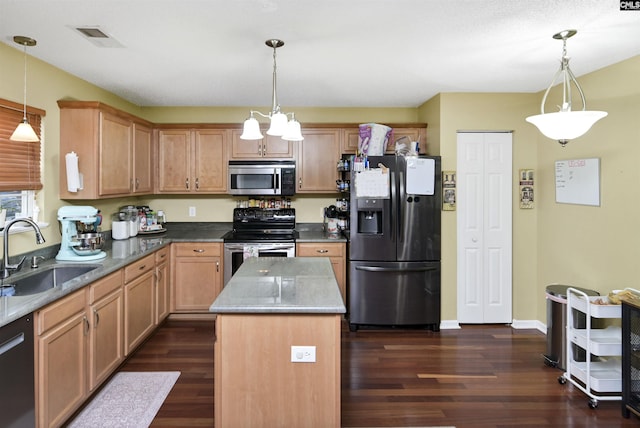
(48, 278)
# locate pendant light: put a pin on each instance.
(565, 124)
(281, 125)
(24, 132)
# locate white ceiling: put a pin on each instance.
(337, 53)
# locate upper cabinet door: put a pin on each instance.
(269, 147)
(210, 161)
(276, 147)
(317, 156)
(174, 161)
(142, 169)
(116, 154)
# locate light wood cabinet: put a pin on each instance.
(106, 344)
(270, 390)
(61, 359)
(197, 275)
(162, 281)
(317, 156)
(139, 301)
(142, 159)
(415, 132)
(78, 345)
(113, 148)
(82, 338)
(192, 161)
(336, 251)
(269, 147)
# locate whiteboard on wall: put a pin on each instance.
(578, 181)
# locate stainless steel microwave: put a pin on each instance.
(260, 177)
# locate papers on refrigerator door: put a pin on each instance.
(421, 176)
(372, 183)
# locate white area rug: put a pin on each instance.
(130, 399)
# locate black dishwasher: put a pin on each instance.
(17, 395)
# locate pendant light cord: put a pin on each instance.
(275, 108)
(24, 111)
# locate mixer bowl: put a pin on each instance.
(86, 251)
(87, 244)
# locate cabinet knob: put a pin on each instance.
(197, 183)
(322, 251)
(186, 183)
(217, 266)
(198, 250)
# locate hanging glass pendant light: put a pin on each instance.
(281, 125)
(565, 124)
(24, 132)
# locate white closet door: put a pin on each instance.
(484, 227)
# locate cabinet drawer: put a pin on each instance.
(59, 311)
(162, 255)
(320, 250)
(104, 286)
(197, 249)
(136, 269)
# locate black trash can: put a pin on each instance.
(556, 355)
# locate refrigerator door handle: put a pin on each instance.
(401, 207)
(384, 269)
(392, 220)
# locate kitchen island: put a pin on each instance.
(271, 307)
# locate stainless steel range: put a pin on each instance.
(259, 232)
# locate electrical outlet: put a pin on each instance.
(192, 211)
(303, 354)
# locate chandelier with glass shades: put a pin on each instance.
(565, 124)
(281, 125)
(24, 132)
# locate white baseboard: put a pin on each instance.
(449, 325)
(515, 324)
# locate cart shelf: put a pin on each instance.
(600, 376)
(605, 341)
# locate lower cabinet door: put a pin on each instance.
(62, 370)
(197, 283)
(106, 349)
(139, 310)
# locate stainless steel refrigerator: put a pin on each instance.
(394, 245)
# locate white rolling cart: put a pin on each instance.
(601, 377)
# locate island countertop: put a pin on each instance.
(281, 285)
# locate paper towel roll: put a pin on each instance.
(73, 176)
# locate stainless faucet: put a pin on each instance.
(6, 267)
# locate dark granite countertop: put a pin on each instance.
(122, 253)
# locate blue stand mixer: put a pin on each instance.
(81, 240)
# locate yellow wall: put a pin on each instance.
(454, 112)
(593, 247)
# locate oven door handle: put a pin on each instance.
(262, 247)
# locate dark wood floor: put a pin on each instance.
(478, 376)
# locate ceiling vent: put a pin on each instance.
(98, 37)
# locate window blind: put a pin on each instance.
(19, 161)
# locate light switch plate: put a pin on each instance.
(303, 354)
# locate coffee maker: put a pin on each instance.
(81, 240)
